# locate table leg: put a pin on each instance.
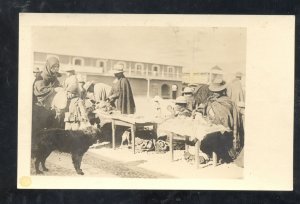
(133, 128)
(113, 127)
(186, 146)
(171, 147)
(215, 159)
(155, 129)
(197, 147)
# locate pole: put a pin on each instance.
(148, 88)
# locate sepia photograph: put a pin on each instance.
(150, 101)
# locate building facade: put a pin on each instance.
(147, 79)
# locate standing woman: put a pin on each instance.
(121, 93)
(44, 89)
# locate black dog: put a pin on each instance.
(74, 142)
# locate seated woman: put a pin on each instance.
(221, 111)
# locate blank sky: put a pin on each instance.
(194, 48)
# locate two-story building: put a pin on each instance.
(147, 79)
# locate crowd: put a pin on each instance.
(74, 99)
(218, 103)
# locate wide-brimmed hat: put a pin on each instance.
(69, 69)
(36, 70)
(181, 100)
(87, 85)
(118, 68)
(187, 90)
(217, 85)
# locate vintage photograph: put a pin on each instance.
(138, 102)
(155, 101)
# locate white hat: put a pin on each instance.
(118, 68)
(188, 90)
(180, 99)
(69, 69)
(156, 98)
(217, 85)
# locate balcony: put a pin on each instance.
(102, 71)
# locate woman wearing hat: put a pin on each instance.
(189, 96)
(181, 110)
(221, 111)
(121, 93)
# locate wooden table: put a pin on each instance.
(123, 120)
(187, 129)
(197, 148)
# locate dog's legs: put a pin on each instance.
(76, 159)
(43, 160)
(79, 162)
(37, 163)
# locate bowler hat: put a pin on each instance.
(217, 85)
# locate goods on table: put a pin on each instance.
(190, 127)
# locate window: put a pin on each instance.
(171, 71)
(139, 68)
(78, 61)
(101, 63)
(155, 69)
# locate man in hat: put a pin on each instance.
(121, 94)
(234, 89)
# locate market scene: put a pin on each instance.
(128, 117)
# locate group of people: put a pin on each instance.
(75, 97)
(221, 104)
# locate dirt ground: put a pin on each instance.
(122, 163)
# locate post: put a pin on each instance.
(215, 159)
(171, 146)
(113, 127)
(197, 147)
(148, 88)
(133, 128)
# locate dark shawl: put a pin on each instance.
(121, 92)
(201, 94)
(34, 98)
(44, 88)
(225, 113)
(50, 79)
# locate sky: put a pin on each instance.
(194, 48)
